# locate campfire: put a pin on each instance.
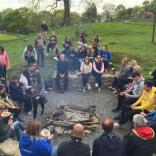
(65, 117)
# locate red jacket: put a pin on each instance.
(4, 59)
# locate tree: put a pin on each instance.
(153, 9)
(135, 12)
(146, 5)
(109, 11)
(91, 13)
(120, 11)
(53, 5)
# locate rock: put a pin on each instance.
(9, 148)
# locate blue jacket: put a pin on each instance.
(30, 146)
(105, 55)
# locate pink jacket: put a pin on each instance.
(4, 59)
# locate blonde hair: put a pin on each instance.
(137, 68)
(124, 61)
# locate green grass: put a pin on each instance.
(132, 39)
(7, 37)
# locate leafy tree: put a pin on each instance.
(120, 11)
(109, 11)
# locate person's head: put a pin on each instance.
(86, 60)
(97, 35)
(30, 47)
(33, 128)
(39, 35)
(62, 57)
(135, 75)
(132, 63)
(78, 131)
(2, 89)
(98, 58)
(32, 67)
(107, 125)
(139, 120)
(137, 68)
(53, 33)
(1, 50)
(105, 48)
(44, 22)
(15, 78)
(124, 61)
(148, 86)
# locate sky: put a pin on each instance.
(77, 5)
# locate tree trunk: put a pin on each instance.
(66, 20)
(154, 25)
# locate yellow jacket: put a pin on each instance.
(146, 101)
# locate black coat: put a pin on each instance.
(108, 145)
(137, 146)
(73, 148)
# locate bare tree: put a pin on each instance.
(52, 5)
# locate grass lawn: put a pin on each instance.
(132, 39)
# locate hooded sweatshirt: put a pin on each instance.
(33, 146)
(141, 142)
(108, 145)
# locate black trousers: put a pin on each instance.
(40, 102)
(98, 78)
(122, 82)
(3, 71)
(62, 83)
(85, 77)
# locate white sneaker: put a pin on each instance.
(29, 113)
(88, 86)
(84, 90)
(99, 89)
(116, 125)
(110, 87)
(96, 85)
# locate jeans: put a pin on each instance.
(18, 127)
(3, 71)
(85, 77)
(98, 78)
(64, 80)
(40, 56)
(54, 151)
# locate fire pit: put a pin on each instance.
(65, 117)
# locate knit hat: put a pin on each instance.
(139, 120)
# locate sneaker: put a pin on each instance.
(29, 113)
(115, 92)
(117, 125)
(110, 87)
(84, 90)
(99, 89)
(96, 85)
(88, 86)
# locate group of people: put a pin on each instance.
(24, 92)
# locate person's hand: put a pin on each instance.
(127, 95)
(122, 93)
(37, 98)
(61, 75)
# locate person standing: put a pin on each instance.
(40, 46)
(4, 63)
(98, 69)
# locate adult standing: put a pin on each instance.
(4, 63)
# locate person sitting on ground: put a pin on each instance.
(146, 103)
(82, 40)
(74, 147)
(141, 140)
(67, 44)
(98, 69)
(62, 73)
(4, 62)
(108, 144)
(9, 128)
(32, 143)
(105, 56)
(40, 46)
(86, 69)
(30, 54)
(153, 73)
(131, 94)
(53, 41)
(18, 94)
(96, 42)
(5, 103)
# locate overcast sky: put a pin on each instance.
(77, 5)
